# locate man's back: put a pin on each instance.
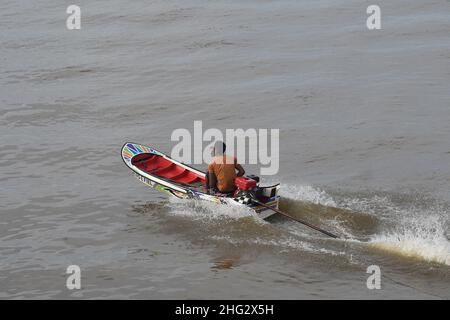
(224, 168)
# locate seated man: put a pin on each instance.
(222, 171)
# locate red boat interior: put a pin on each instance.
(159, 166)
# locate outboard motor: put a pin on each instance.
(246, 188)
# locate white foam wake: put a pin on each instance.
(308, 194)
(421, 238)
(415, 234)
(208, 210)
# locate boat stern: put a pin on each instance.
(264, 212)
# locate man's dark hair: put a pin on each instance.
(218, 144)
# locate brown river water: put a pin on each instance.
(364, 119)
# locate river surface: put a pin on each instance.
(364, 119)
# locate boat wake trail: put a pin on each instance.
(397, 226)
(411, 227)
